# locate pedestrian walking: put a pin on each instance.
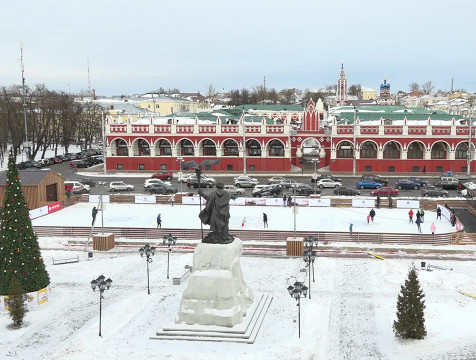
(94, 213)
(159, 221)
(453, 218)
(438, 213)
(422, 215)
(350, 228)
(418, 215)
(418, 222)
(265, 220)
(284, 200)
(410, 215)
(372, 215)
(172, 199)
(289, 200)
(73, 165)
(378, 201)
(368, 218)
(433, 228)
(243, 222)
(390, 202)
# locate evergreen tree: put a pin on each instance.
(20, 255)
(410, 323)
(16, 303)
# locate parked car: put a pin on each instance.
(64, 157)
(433, 191)
(448, 182)
(306, 190)
(204, 183)
(120, 186)
(418, 180)
(80, 163)
(407, 184)
(368, 184)
(161, 188)
(76, 187)
(326, 176)
(276, 180)
(44, 162)
(203, 178)
(56, 159)
(245, 181)
(287, 183)
(376, 178)
(346, 191)
(72, 156)
(89, 182)
(328, 183)
(232, 189)
(29, 164)
(149, 182)
(163, 175)
(259, 188)
(273, 190)
(385, 191)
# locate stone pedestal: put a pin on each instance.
(216, 293)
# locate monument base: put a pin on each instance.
(216, 293)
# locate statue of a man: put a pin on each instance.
(217, 214)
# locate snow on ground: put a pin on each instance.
(350, 315)
(279, 218)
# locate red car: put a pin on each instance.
(163, 175)
(385, 191)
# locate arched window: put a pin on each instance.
(391, 151)
(438, 151)
(276, 148)
(253, 148)
(415, 151)
(345, 150)
(209, 148)
(121, 148)
(368, 150)
(143, 148)
(230, 148)
(461, 151)
(310, 147)
(186, 148)
(165, 149)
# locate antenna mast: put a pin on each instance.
(89, 81)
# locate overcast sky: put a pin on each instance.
(139, 46)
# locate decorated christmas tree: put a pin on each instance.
(410, 323)
(20, 256)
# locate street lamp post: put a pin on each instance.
(180, 160)
(294, 209)
(102, 285)
(309, 256)
(316, 164)
(470, 141)
(298, 291)
(353, 143)
(148, 251)
(244, 140)
(169, 240)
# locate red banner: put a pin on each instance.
(54, 207)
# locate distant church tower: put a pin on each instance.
(385, 97)
(341, 93)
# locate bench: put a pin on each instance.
(65, 261)
(180, 280)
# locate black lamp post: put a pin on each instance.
(298, 291)
(102, 285)
(309, 256)
(169, 240)
(148, 251)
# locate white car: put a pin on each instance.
(149, 182)
(77, 187)
(327, 183)
(204, 178)
(276, 180)
(258, 188)
(245, 181)
(232, 189)
(120, 185)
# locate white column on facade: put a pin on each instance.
(404, 154)
(452, 155)
(428, 130)
(152, 150)
(427, 155)
(130, 151)
(405, 130)
(264, 152)
(333, 154)
(379, 154)
(381, 130)
(196, 150)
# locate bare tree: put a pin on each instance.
(414, 86)
(427, 87)
(355, 90)
(287, 96)
(211, 94)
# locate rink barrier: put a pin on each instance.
(266, 236)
